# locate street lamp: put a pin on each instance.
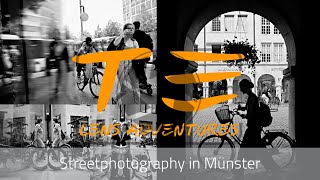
(83, 17)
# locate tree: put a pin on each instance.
(242, 47)
(113, 28)
(98, 32)
(67, 32)
(86, 34)
(148, 24)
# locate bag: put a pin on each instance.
(63, 136)
(191, 67)
(89, 73)
(33, 135)
(264, 115)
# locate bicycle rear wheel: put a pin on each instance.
(215, 148)
(55, 157)
(281, 147)
(95, 83)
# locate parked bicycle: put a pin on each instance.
(94, 82)
(279, 144)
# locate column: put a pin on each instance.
(205, 89)
(291, 93)
(230, 89)
(292, 107)
(278, 92)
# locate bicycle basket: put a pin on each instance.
(223, 114)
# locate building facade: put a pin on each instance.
(133, 8)
(268, 74)
(19, 120)
(39, 24)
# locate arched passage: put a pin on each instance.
(213, 9)
(266, 82)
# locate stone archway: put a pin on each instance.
(213, 9)
(266, 82)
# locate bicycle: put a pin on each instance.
(273, 103)
(222, 145)
(94, 82)
(49, 156)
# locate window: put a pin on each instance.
(143, 108)
(154, 109)
(216, 48)
(154, 12)
(195, 48)
(276, 30)
(133, 11)
(148, 5)
(143, 7)
(228, 23)
(133, 3)
(138, 10)
(265, 26)
(154, 3)
(242, 23)
(278, 52)
(266, 52)
(216, 24)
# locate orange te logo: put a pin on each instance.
(113, 59)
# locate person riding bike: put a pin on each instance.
(86, 47)
(38, 134)
(56, 133)
(251, 141)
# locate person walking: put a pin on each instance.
(144, 41)
(126, 41)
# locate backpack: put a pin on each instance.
(265, 115)
(147, 42)
(63, 136)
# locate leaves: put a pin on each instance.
(243, 47)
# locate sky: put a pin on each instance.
(99, 11)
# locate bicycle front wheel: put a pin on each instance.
(82, 82)
(95, 83)
(215, 148)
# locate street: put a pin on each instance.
(42, 89)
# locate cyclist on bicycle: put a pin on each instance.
(86, 47)
(38, 134)
(57, 133)
(252, 135)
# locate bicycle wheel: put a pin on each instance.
(215, 148)
(95, 83)
(27, 154)
(83, 81)
(39, 159)
(55, 158)
(281, 146)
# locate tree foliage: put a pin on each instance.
(98, 32)
(242, 47)
(113, 28)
